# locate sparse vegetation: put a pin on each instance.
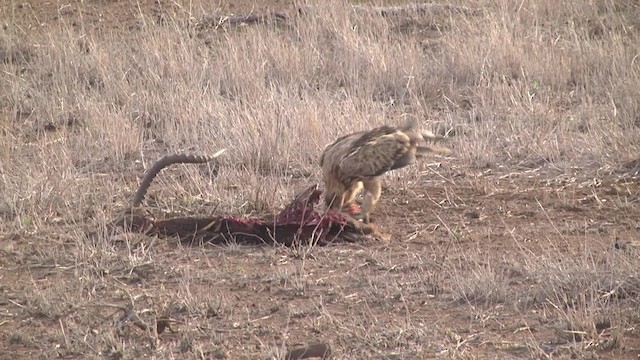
(522, 245)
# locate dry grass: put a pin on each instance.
(540, 98)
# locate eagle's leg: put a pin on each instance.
(349, 204)
(335, 199)
(373, 190)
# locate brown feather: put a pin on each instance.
(361, 158)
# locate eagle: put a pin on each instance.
(359, 160)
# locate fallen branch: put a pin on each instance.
(318, 351)
(240, 20)
(216, 22)
(411, 9)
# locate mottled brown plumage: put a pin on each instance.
(360, 159)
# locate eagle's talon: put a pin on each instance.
(363, 218)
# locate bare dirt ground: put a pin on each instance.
(521, 246)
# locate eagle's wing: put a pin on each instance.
(339, 145)
(376, 152)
